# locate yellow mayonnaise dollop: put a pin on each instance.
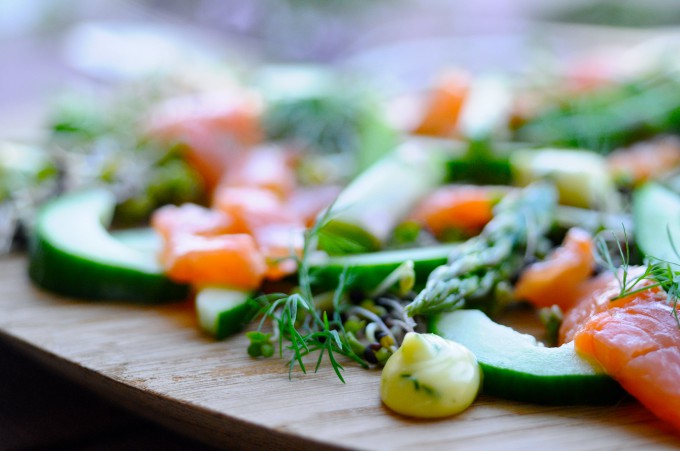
(430, 377)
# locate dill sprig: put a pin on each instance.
(662, 273)
(365, 328)
(309, 329)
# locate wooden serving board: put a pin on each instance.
(154, 361)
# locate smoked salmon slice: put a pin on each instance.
(192, 219)
(253, 207)
(281, 245)
(309, 201)
(555, 280)
(215, 129)
(200, 247)
(459, 207)
(645, 161)
(267, 167)
(232, 260)
(636, 339)
(445, 104)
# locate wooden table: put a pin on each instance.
(40, 408)
(154, 360)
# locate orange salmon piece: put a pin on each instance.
(252, 208)
(233, 260)
(267, 167)
(444, 104)
(637, 342)
(456, 207)
(646, 160)
(308, 202)
(278, 243)
(192, 219)
(215, 128)
(592, 297)
(555, 280)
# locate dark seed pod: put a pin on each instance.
(356, 297)
(375, 346)
(381, 301)
(369, 356)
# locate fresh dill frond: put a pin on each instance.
(297, 319)
(363, 327)
(662, 273)
(669, 279)
(622, 268)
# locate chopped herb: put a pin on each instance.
(418, 386)
(551, 317)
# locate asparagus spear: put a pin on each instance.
(484, 265)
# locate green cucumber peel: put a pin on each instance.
(224, 311)
(366, 271)
(72, 254)
(582, 178)
(517, 367)
(656, 219)
(366, 212)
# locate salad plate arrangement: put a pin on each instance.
(270, 260)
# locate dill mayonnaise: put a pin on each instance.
(430, 377)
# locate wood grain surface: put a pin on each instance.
(155, 361)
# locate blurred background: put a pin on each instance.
(47, 46)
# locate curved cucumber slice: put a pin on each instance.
(656, 215)
(581, 178)
(224, 311)
(367, 211)
(72, 254)
(517, 367)
(143, 239)
(367, 271)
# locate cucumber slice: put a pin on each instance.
(582, 178)
(487, 109)
(72, 254)
(517, 367)
(143, 239)
(371, 206)
(656, 218)
(224, 311)
(366, 271)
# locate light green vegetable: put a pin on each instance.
(366, 212)
(486, 112)
(72, 254)
(224, 311)
(367, 271)
(517, 367)
(582, 178)
(656, 217)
